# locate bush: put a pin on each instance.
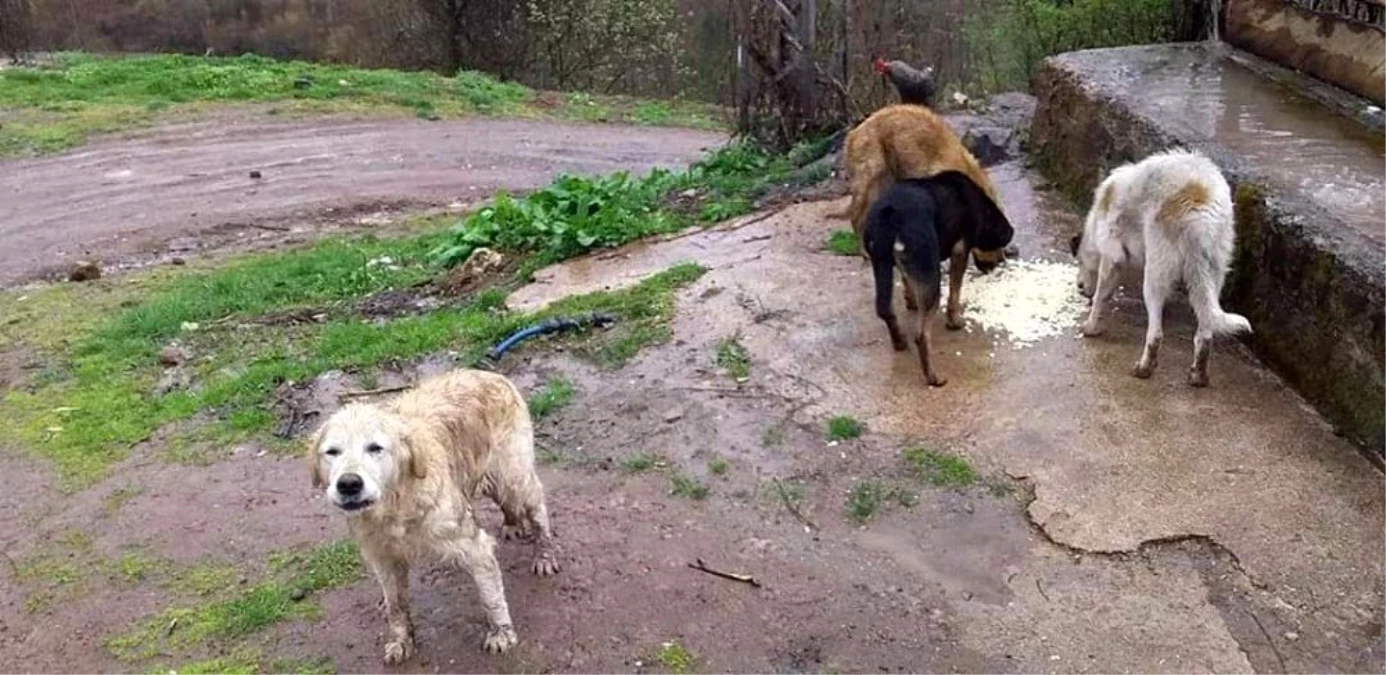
(1007, 45)
(577, 214)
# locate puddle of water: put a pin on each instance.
(1296, 143)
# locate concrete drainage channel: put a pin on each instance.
(1309, 190)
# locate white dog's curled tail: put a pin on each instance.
(1211, 315)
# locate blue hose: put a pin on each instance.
(554, 325)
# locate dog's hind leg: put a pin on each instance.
(911, 302)
(393, 574)
(884, 272)
(477, 554)
(1158, 283)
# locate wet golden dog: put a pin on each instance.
(911, 141)
(406, 473)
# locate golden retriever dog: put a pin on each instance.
(911, 141)
(406, 474)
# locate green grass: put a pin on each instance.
(118, 498)
(940, 468)
(682, 485)
(733, 358)
(718, 466)
(87, 421)
(842, 242)
(773, 436)
(844, 427)
(247, 611)
(675, 657)
(56, 107)
(550, 398)
(864, 500)
(95, 398)
(652, 113)
(640, 463)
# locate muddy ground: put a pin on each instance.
(175, 191)
(1118, 525)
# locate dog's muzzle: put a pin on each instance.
(986, 261)
(350, 493)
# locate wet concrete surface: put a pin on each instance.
(1300, 146)
(1244, 471)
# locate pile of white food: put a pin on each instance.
(1025, 300)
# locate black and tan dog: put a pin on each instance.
(910, 141)
(916, 225)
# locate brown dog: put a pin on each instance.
(911, 141)
(406, 473)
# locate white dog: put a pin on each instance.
(406, 474)
(1171, 213)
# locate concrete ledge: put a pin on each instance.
(1311, 284)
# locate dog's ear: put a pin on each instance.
(315, 461)
(1074, 243)
(410, 457)
(994, 231)
(416, 467)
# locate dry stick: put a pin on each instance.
(374, 392)
(1269, 641)
(271, 228)
(743, 578)
(793, 510)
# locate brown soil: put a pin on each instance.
(183, 189)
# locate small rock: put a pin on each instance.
(256, 174)
(297, 594)
(967, 595)
(173, 379)
(960, 99)
(171, 356)
(673, 416)
(481, 262)
(1291, 636)
(177, 261)
(84, 270)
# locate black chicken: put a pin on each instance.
(914, 86)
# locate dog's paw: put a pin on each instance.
(937, 381)
(500, 639)
(398, 651)
(1143, 372)
(545, 565)
(955, 322)
(1090, 328)
(514, 533)
(1198, 378)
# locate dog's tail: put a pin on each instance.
(1203, 295)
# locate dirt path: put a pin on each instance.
(122, 198)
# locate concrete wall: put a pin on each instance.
(1346, 52)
